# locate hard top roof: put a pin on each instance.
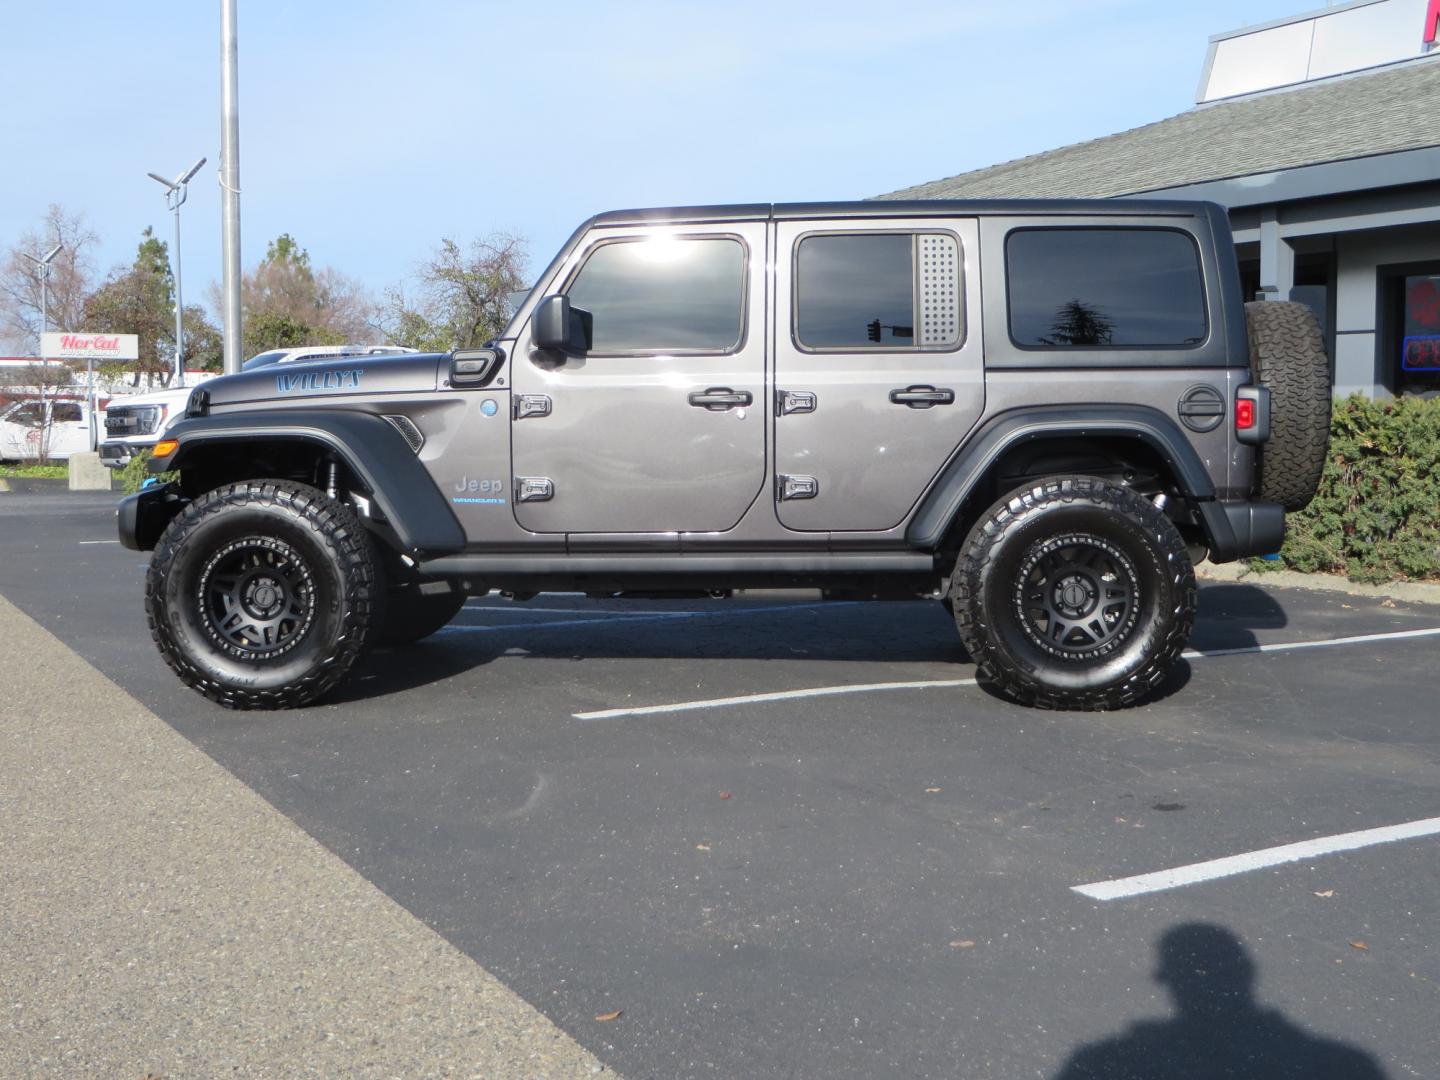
(876, 208)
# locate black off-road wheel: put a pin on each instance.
(262, 594)
(1287, 354)
(1074, 593)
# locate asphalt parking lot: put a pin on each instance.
(792, 839)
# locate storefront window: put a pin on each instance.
(1420, 333)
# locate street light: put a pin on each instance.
(42, 264)
(175, 192)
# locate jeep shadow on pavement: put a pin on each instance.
(1039, 413)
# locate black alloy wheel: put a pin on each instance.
(257, 597)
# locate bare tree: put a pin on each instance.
(71, 274)
(461, 298)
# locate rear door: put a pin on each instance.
(69, 429)
(879, 366)
(660, 426)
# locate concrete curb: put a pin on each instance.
(158, 916)
(1411, 592)
(32, 485)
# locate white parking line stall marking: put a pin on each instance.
(84, 542)
(1292, 646)
(1231, 865)
(779, 695)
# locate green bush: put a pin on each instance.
(1376, 517)
(134, 475)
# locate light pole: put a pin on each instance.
(230, 186)
(175, 192)
(42, 264)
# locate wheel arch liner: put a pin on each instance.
(368, 445)
(1010, 429)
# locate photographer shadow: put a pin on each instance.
(1218, 1031)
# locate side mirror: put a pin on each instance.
(559, 327)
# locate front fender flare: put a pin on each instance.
(372, 449)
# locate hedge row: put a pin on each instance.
(1376, 517)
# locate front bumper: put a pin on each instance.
(142, 517)
(115, 455)
(1242, 529)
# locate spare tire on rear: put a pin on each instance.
(1287, 354)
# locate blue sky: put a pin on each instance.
(371, 129)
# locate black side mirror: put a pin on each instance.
(559, 327)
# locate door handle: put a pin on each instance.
(720, 398)
(922, 397)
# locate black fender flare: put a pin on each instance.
(1012, 428)
(369, 446)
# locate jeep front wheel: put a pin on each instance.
(1074, 593)
(261, 594)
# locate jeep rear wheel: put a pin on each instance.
(1287, 354)
(1074, 593)
(261, 594)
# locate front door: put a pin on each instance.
(879, 370)
(659, 426)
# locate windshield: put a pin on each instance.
(261, 359)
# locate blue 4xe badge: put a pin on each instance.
(349, 379)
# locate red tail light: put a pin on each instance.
(1244, 415)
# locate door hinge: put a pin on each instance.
(531, 405)
(796, 401)
(797, 487)
(534, 489)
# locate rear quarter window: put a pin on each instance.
(1105, 288)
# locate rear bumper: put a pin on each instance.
(1239, 530)
(142, 517)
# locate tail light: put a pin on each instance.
(1252, 414)
(1244, 414)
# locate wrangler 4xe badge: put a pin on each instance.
(349, 379)
(481, 492)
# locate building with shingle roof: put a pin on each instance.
(1319, 133)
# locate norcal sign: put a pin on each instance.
(62, 346)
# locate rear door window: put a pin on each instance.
(878, 291)
(1099, 288)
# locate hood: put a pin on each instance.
(340, 376)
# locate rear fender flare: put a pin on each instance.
(970, 466)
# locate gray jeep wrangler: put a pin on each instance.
(1039, 413)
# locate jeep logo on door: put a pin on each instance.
(305, 381)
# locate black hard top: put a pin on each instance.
(883, 208)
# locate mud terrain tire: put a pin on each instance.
(261, 594)
(1287, 354)
(1074, 593)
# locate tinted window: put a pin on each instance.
(855, 292)
(1104, 287)
(664, 294)
(27, 415)
(65, 412)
